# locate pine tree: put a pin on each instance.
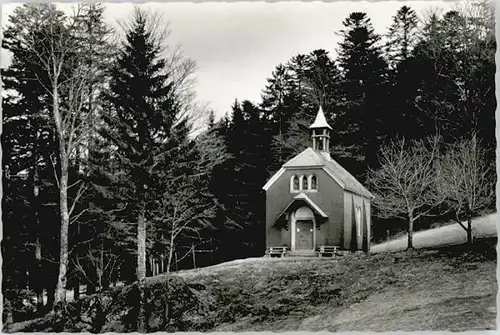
(291, 98)
(142, 128)
(364, 74)
(278, 96)
(139, 124)
(321, 80)
(402, 35)
(402, 38)
(453, 65)
(237, 182)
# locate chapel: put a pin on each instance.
(312, 201)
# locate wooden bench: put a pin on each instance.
(326, 250)
(278, 251)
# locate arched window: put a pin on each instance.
(358, 220)
(295, 183)
(305, 182)
(314, 183)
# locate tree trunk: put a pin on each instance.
(50, 298)
(194, 255)
(410, 232)
(98, 287)
(38, 272)
(39, 301)
(171, 253)
(166, 312)
(60, 292)
(469, 233)
(106, 284)
(141, 246)
(141, 318)
(76, 290)
(141, 271)
(100, 270)
(38, 250)
(8, 314)
(91, 289)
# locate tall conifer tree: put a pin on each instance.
(364, 73)
(140, 125)
(402, 35)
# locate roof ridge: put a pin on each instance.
(297, 157)
(353, 179)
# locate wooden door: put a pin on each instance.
(304, 235)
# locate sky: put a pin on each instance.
(237, 45)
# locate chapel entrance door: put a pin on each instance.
(304, 235)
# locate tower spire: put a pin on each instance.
(320, 121)
(321, 132)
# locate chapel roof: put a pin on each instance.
(312, 158)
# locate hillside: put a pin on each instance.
(482, 227)
(447, 289)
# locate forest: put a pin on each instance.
(113, 171)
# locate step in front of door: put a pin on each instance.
(303, 253)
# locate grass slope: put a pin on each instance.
(430, 290)
(482, 227)
(448, 289)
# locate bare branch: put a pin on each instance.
(76, 217)
(405, 183)
(79, 194)
(54, 169)
(465, 179)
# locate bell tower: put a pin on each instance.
(321, 133)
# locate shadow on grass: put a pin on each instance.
(483, 249)
(262, 295)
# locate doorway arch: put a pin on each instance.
(303, 229)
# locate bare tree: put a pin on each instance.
(186, 206)
(182, 217)
(55, 42)
(102, 262)
(466, 182)
(405, 184)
